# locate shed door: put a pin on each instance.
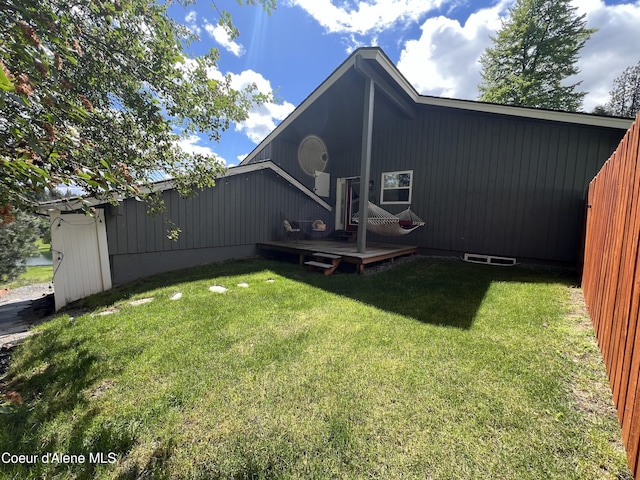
(80, 256)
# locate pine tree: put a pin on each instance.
(18, 234)
(534, 53)
(624, 98)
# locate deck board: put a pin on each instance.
(376, 252)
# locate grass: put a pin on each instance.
(34, 274)
(44, 248)
(433, 370)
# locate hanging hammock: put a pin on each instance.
(385, 223)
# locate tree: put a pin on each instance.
(624, 98)
(18, 242)
(533, 54)
(94, 93)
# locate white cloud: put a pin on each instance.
(188, 66)
(220, 35)
(614, 47)
(191, 145)
(365, 17)
(444, 61)
(352, 43)
(191, 22)
(264, 118)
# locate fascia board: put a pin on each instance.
(268, 165)
(552, 115)
(76, 203)
(70, 204)
(515, 111)
(379, 56)
(306, 103)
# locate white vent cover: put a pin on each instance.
(312, 155)
(322, 183)
(490, 259)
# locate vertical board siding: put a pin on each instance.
(490, 184)
(611, 280)
(239, 210)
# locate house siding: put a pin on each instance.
(218, 223)
(484, 183)
(492, 184)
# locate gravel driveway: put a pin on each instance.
(21, 308)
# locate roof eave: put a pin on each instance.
(317, 93)
(377, 54)
(267, 164)
(78, 203)
(536, 113)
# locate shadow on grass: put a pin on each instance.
(194, 274)
(52, 390)
(444, 292)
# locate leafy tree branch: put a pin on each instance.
(92, 93)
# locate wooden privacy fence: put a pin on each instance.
(611, 280)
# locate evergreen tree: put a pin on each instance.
(624, 98)
(18, 234)
(534, 53)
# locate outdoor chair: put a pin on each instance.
(292, 232)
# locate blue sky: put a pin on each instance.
(436, 44)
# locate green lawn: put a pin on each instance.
(436, 369)
(34, 274)
(44, 248)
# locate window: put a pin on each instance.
(396, 187)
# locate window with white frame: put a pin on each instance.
(396, 187)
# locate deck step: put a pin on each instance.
(313, 263)
(328, 268)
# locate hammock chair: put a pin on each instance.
(385, 223)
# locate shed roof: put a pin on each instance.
(76, 203)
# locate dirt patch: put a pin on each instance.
(578, 312)
(592, 394)
(101, 389)
(387, 265)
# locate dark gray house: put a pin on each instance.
(486, 179)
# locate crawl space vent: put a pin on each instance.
(489, 260)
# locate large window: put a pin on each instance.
(396, 187)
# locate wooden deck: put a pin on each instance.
(376, 252)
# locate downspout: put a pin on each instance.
(365, 163)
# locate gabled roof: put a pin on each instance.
(375, 60)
